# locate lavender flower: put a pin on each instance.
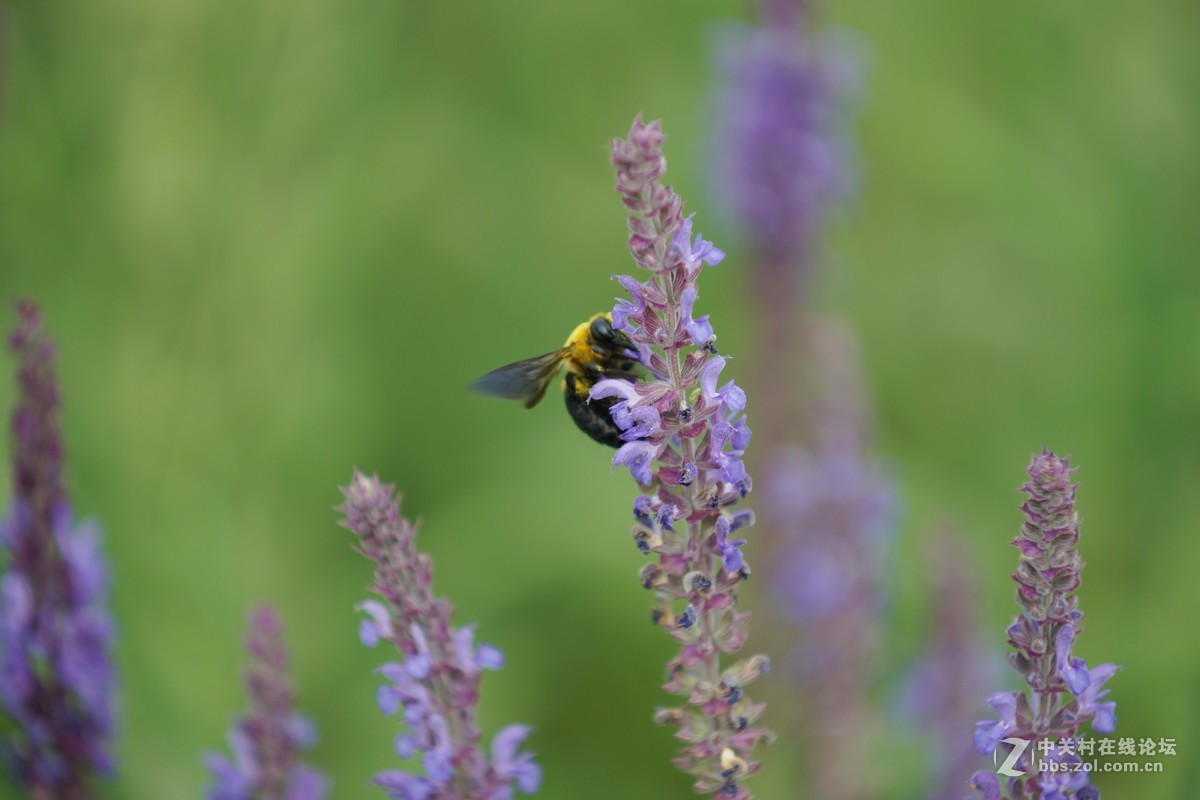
(832, 512)
(686, 435)
(56, 679)
(436, 682)
(827, 520)
(1065, 693)
(838, 509)
(782, 161)
(266, 742)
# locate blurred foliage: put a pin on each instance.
(275, 240)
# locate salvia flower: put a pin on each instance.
(56, 678)
(266, 742)
(434, 686)
(781, 158)
(1064, 693)
(686, 436)
(831, 511)
(838, 506)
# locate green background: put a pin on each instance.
(275, 240)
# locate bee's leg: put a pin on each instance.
(624, 374)
(593, 371)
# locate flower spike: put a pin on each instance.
(686, 438)
(434, 685)
(56, 675)
(1063, 692)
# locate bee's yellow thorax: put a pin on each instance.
(579, 336)
(578, 343)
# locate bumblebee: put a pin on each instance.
(593, 351)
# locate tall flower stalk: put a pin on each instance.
(56, 677)
(436, 681)
(684, 441)
(267, 741)
(1064, 694)
(781, 160)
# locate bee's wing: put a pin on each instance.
(525, 380)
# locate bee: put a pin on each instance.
(593, 351)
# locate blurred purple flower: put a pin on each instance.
(830, 508)
(435, 684)
(56, 679)
(1064, 691)
(266, 742)
(782, 164)
(781, 157)
(690, 440)
(943, 688)
(838, 509)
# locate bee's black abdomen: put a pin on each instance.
(592, 417)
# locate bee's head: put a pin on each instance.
(608, 337)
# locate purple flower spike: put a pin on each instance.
(688, 438)
(56, 679)
(1066, 694)
(267, 741)
(781, 157)
(434, 686)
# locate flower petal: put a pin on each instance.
(613, 387)
(639, 457)
(505, 744)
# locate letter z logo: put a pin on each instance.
(1018, 749)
